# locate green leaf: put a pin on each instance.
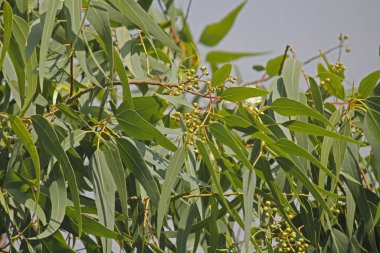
(91, 226)
(335, 86)
(47, 30)
(7, 30)
(249, 184)
(134, 161)
(291, 74)
(371, 124)
(215, 57)
(98, 17)
(368, 83)
(242, 93)
(48, 136)
(214, 33)
(342, 243)
(221, 75)
(137, 127)
(58, 198)
(181, 104)
(223, 135)
(115, 166)
(104, 189)
(293, 170)
(122, 73)
(310, 129)
(316, 95)
(184, 228)
(175, 164)
(290, 147)
(274, 65)
(290, 107)
(22, 133)
(135, 13)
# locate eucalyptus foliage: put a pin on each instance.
(113, 137)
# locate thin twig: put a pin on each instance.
(284, 58)
(71, 99)
(71, 70)
(364, 178)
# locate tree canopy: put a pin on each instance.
(116, 138)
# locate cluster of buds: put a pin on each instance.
(336, 208)
(280, 231)
(338, 68)
(325, 82)
(193, 122)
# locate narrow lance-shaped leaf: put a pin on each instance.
(175, 164)
(134, 161)
(98, 16)
(242, 93)
(48, 136)
(184, 228)
(214, 33)
(290, 107)
(104, 189)
(141, 129)
(216, 57)
(135, 13)
(310, 129)
(7, 17)
(58, 198)
(293, 170)
(115, 166)
(22, 133)
(46, 36)
(249, 184)
(290, 147)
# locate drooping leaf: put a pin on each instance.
(20, 130)
(249, 184)
(58, 198)
(184, 227)
(214, 33)
(115, 166)
(104, 189)
(175, 165)
(47, 30)
(7, 30)
(98, 16)
(49, 137)
(242, 93)
(134, 161)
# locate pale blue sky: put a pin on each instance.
(269, 25)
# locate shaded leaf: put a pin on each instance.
(137, 127)
(48, 136)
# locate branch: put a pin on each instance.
(167, 86)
